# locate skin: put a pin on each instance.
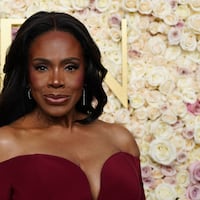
(56, 78)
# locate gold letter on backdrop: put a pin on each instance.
(120, 90)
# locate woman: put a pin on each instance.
(52, 145)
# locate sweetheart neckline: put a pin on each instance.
(56, 157)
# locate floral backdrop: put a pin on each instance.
(163, 84)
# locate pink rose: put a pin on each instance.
(149, 182)
(193, 192)
(146, 171)
(194, 108)
(194, 171)
(168, 170)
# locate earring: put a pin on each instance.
(84, 97)
(29, 94)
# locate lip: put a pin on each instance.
(56, 99)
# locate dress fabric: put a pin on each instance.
(48, 177)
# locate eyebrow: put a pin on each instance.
(70, 59)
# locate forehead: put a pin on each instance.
(52, 41)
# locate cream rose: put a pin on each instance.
(195, 5)
(161, 130)
(80, 4)
(165, 191)
(169, 117)
(188, 41)
(129, 5)
(156, 76)
(171, 19)
(102, 5)
(153, 112)
(115, 34)
(156, 45)
(197, 134)
(140, 113)
(167, 87)
(145, 6)
(182, 178)
(137, 100)
(189, 95)
(161, 8)
(172, 53)
(183, 11)
(193, 22)
(162, 152)
(183, 1)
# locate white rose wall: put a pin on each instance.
(163, 61)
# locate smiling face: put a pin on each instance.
(56, 72)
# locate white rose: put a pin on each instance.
(80, 4)
(194, 23)
(155, 98)
(171, 19)
(157, 76)
(133, 34)
(194, 56)
(167, 87)
(195, 5)
(115, 34)
(183, 1)
(129, 5)
(107, 117)
(172, 53)
(169, 117)
(188, 41)
(122, 116)
(137, 100)
(186, 82)
(162, 152)
(112, 105)
(161, 130)
(189, 95)
(174, 36)
(153, 112)
(197, 134)
(165, 191)
(137, 129)
(157, 45)
(102, 5)
(141, 113)
(182, 178)
(161, 8)
(145, 6)
(183, 11)
(154, 27)
(179, 109)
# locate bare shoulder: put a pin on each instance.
(122, 138)
(7, 143)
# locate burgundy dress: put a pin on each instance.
(47, 177)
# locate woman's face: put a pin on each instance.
(56, 72)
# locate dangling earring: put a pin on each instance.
(29, 94)
(84, 97)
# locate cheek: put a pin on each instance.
(35, 81)
(78, 82)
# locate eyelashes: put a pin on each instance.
(67, 67)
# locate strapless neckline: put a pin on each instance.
(68, 161)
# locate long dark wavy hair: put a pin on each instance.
(14, 102)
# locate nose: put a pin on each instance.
(56, 79)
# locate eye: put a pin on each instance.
(41, 67)
(71, 67)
